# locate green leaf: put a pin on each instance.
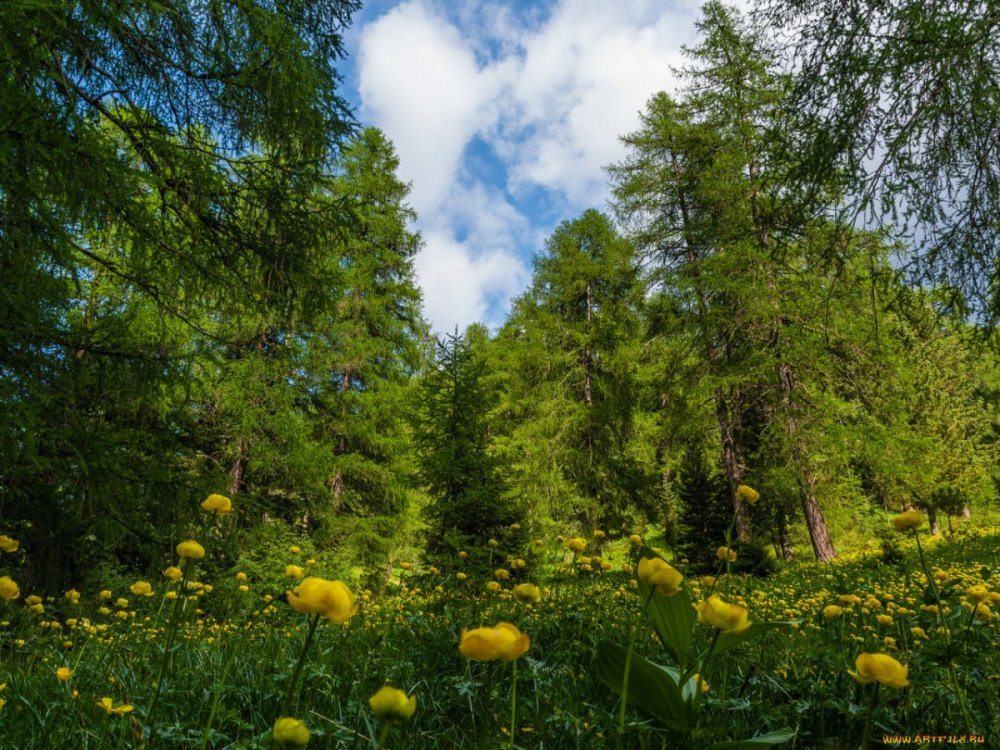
(672, 617)
(651, 688)
(763, 740)
(729, 640)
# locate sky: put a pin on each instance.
(504, 114)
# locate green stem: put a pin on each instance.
(383, 736)
(165, 660)
(866, 739)
(287, 700)
(513, 703)
(628, 668)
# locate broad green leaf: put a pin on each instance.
(763, 740)
(729, 640)
(651, 688)
(672, 617)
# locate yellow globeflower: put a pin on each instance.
(832, 611)
(880, 668)
(656, 573)
(141, 588)
(504, 642)
(598, 534)
(220, 505)
(173, 573)
(294, 571)
(724, 553)
(493, 586)
(501, 574)
(406, 566)
(63, 674)
(983, 612)
(461, 576)
(729, 618)
(241, 576)
(635, 539)
(9, 589)
(390, 704)
(576, 544)
(108, 705)
(978, 593)
(7, 544)
(72, 596)
(190, 550)
(527, 593)
(910, 519)
(317, 596)
(708, 581)
(747, 494)
(32, 600)
(290, 732)
(701, 683)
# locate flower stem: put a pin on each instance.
(628, 668)
(168, 647)
(513, 703)
(289, 691)
(383, 736)
(866, 739)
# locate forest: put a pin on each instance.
(778, 336)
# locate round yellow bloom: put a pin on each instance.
(406, 566)
(527, 593)
(294, 549)
(173, 573)
(978, 593)
(294, 571)
(910, 519)
(598, 534)
(32, 600)
(218, 504)
(880, 668)
(884, 619)
(502, 574)
(918, 632)
(72, 596)
(190, 550)
(141, 588)
(635, 539)
(107, 705)
(9, 589)
(504, 642)
(7, 544)
(747, 494)
(708, 581)
(983, 612)
(290, 732)
(656, 573)
(724, 553)
(576, 544)
(461, 576)
(729, 618)
(241, 576)
(832, 611)
(390, 704)
(493, 586)
(63, 674)
(317, 596)
(849, 599)
(106, 594)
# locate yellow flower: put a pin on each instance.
(461, 576)
(463, 554)
(702, 684)
(884, 619)
(832, 611)
(406, 566)
(655, 572)
(106, 594)
(173, 573)
(918, 632)
(978, 593)
(108, 706)
(729, 618)
(122, 602)
(241, 576)
(880, 668)
(218, 504)
(310, 562)
(72, 596)
(141, 588)
(390, 704)
(635, 539)
(290, 732)
(907, 520)
(32, 600)
(9, 589)
(527, 593)
(244, 588)
(502, 574)
(7, 544)
(493, 586)
(317, 596)
(983, 613)
(293, 571)
(724, 553)
(63, 674)
(849, 599)
(747, 494)
(708, 581)
(190, 550)
(504, 642)
(598, 534)
(576, 544)
(294, 549)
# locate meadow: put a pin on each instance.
(209, 658)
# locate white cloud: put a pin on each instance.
(551, 97)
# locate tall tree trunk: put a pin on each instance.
(819, 535)
(239, 469)
(784, 547)
(731, 455)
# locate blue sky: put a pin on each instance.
(503, 115)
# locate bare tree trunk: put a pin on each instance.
(784, 547)
(731, 460)
(238, 471)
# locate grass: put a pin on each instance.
(236, 651)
